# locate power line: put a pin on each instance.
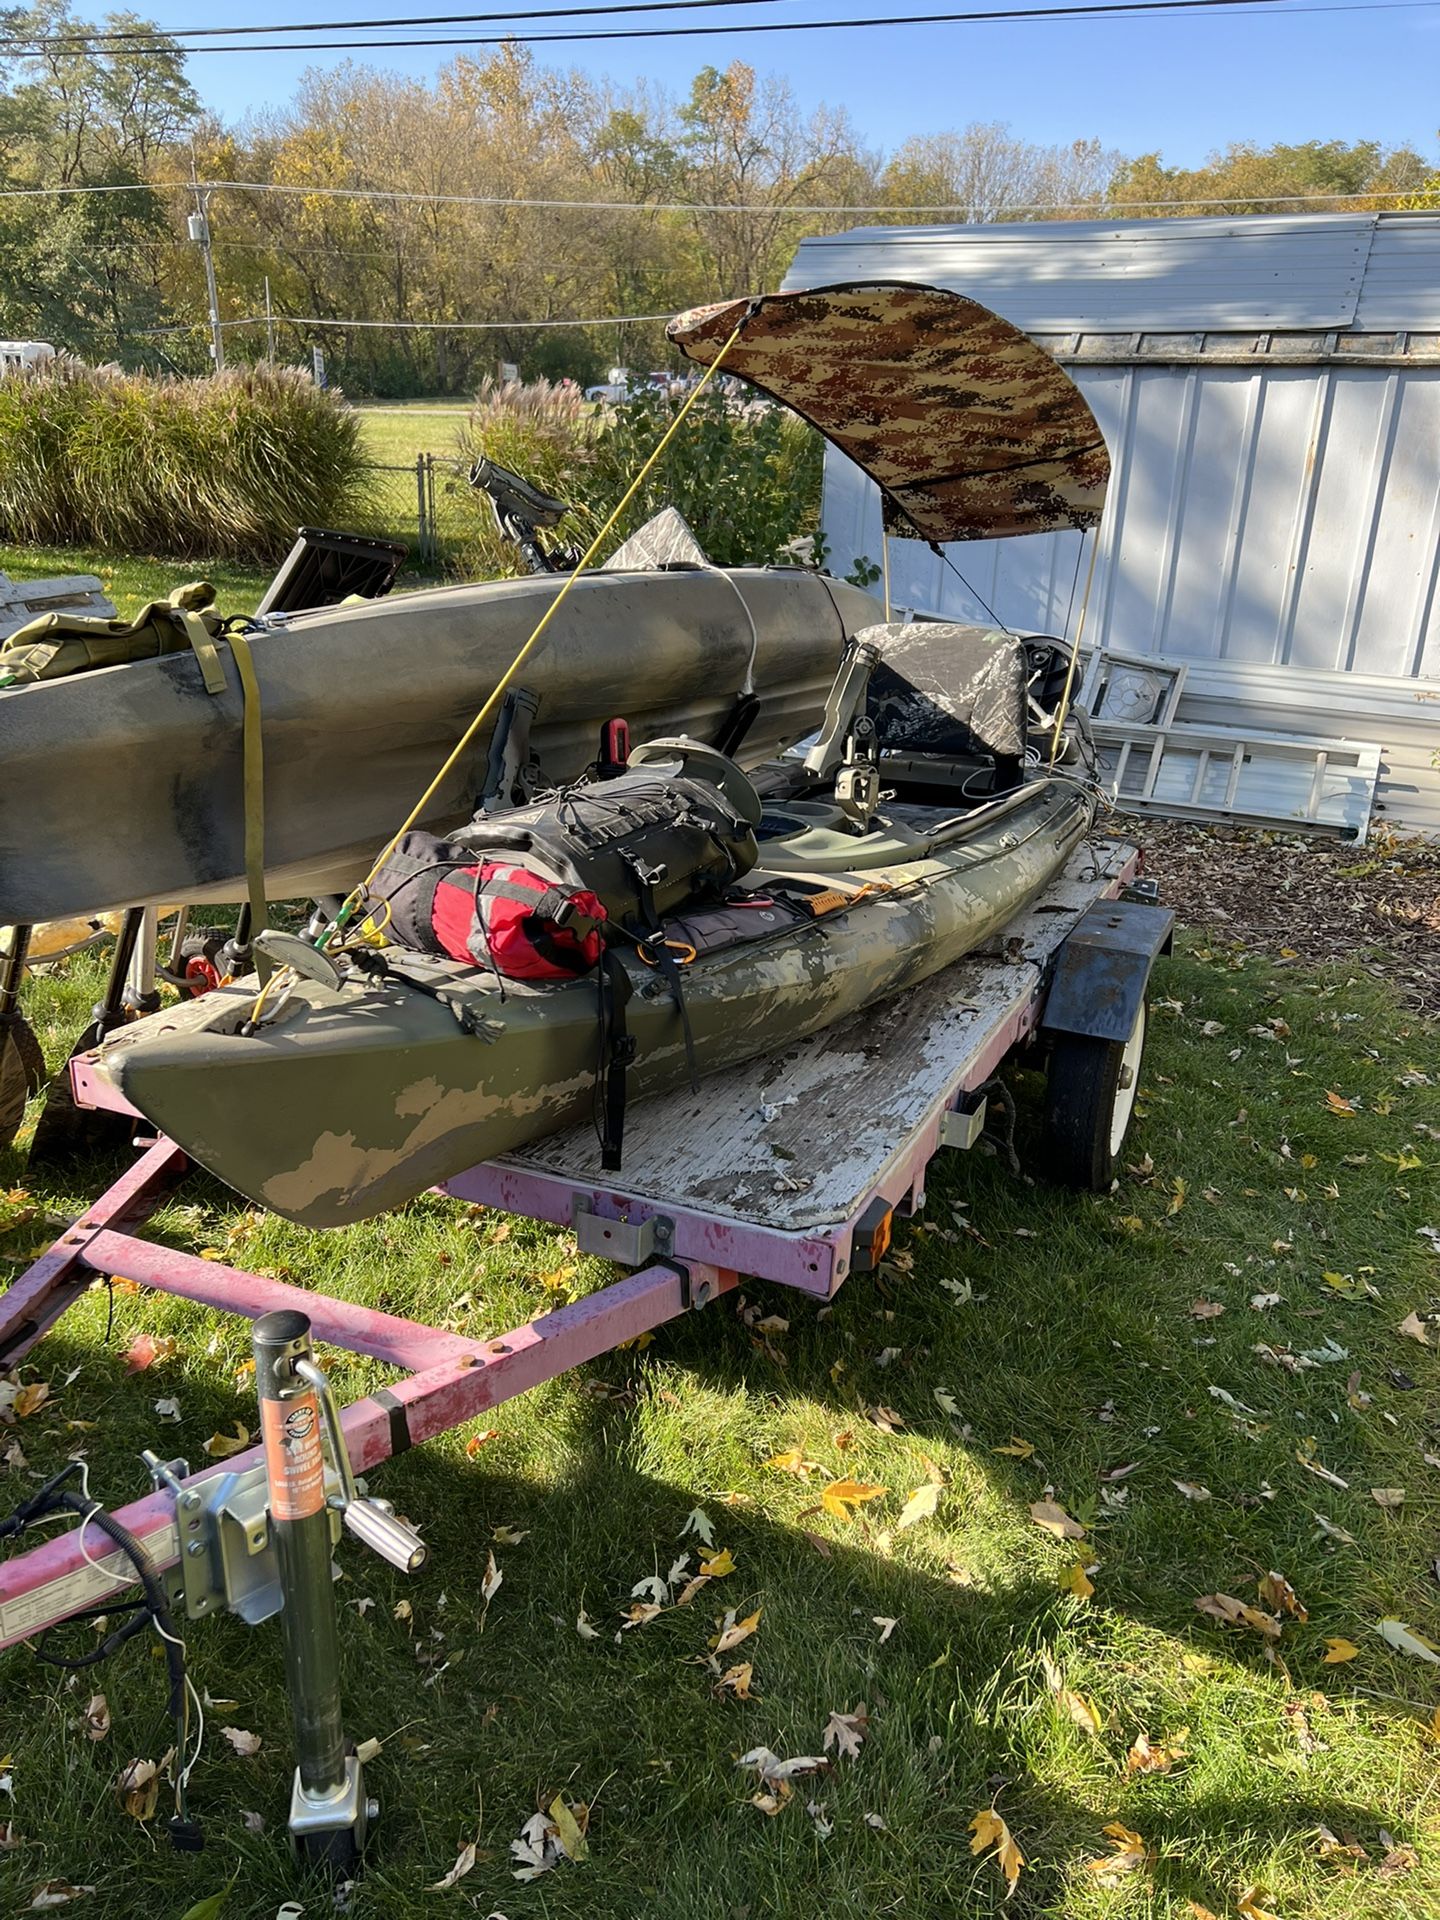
(418, 326)
(1100, 209)
(1089, 9)
(155, 36)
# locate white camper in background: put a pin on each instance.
(24, 353)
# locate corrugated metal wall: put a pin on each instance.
(1289, 516)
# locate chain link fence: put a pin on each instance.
(424, 502)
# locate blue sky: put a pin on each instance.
(1182, 85)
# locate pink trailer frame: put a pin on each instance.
(448, 1379)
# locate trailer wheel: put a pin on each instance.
(22, 1072)
(1088, 1104)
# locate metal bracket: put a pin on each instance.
(227, 1557)
(630, 1242)
(1145, 893)
(962, 1124)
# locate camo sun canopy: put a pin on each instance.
(969, 428)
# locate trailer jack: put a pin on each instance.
(259, 1543)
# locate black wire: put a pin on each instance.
(151, 34)
(1075, 578)
(1091, 9)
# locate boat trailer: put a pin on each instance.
(791, 1169)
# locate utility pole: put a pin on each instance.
(198, 227)
(269, 325)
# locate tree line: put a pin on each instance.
(116, 275)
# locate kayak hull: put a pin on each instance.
(124, 786)
(359, 1098)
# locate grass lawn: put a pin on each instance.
(132, 580)
(1172, 1365)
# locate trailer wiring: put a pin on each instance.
(55, 1501)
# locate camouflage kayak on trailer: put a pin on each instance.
(358, 1097)
(124, 785)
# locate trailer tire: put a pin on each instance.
(1088, 1104)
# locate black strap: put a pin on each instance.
(616, 1051)
(668, 969)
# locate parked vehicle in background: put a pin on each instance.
(16, 354)
(615, 388)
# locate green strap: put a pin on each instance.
(206, 652)
(253, 753)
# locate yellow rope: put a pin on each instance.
(885, 563)
(417, 812)
(1064, 706)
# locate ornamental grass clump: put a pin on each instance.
(227, 466)
(744, 473)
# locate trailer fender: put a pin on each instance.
(1102, 970)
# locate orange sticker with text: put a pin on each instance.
(294, 1461)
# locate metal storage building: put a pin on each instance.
(1270, 391)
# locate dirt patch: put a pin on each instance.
(1312, 900)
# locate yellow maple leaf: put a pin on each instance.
(1338, 1650)
(30, 1399)
(841, 1497)
(989, 1831)
(1337, 1103)
(792, 1461)
(1075, 1579)
(718, 1565)
(920, 1506)
(737, 1680)
(1249, 1904)
(1018, 1449)
(1127, 1852)
(1179, 1190)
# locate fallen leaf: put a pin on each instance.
(138, 1789)
(220, 1446)
(1235, 1613)
(1144, 1757)
(1338, 1650)
(1388, 1497)
(1018, 1449)
(1192, 1489)
(1249, 1904)
(772, 1769)
(569, 1831)
(464, 1861)
(1329, 1527)
(1337, 1103)
(1398, 1860)
(244, 1743)
(1312, 1465)
(1054, 1519)
(144, 1350)
(920, 1506)
(793, 1461)
(1178, 1191)
(990, 1831)
(841, 1497)
(508, 1537)
(55, 1893)
(478, 1440)
(1082, 1711)
(876, 1822)
(886, 1624)
(1075, 1579)
(1405, 1640)
(96, 1720)
(719, 1565)
(1206, 1309)
(737, 1680)
(698, 1522)
(1280, 1597)
(1128, 1852)
(946, 1402)
(733, 1631)
(1414, 1328)
(845, 1731)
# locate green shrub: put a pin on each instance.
(745, 474)
(226, 466)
